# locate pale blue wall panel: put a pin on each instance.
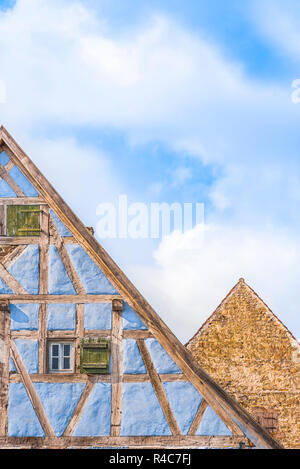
(4, 288)
(24, 316)
(184, 400)
(132, 360)
(22, 419)
(92, 278)
(211, 425)
(141, 413)
(161, 359)
(25, 269)
(28, 350)
(61, 228)
(97, 316)
(61, 316)
(95, 419)
(59, 282)
(130, 319)
(59, 401)
(5, 190)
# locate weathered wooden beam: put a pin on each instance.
(158, 388)
(81, 377)
(26, 298)
(4, 365)
(33, 335)
(116, 368)
(23, 201)
(18, 240)
(2, 220)
(136, 334)
(42, 338)
(97, 333)
(79, 331)
(137, 442)
(43, 286)
(44, 244)
(60, 378)
(138, 378)
(9, 165)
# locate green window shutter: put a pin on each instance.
(94, 356)
(23, 220)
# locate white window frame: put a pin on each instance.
(61, 356)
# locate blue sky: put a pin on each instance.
(169, 101)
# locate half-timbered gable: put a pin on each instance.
(84, 359)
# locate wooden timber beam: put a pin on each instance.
(4, 365)
(116, 367)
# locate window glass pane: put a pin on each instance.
(66, 363)
(54, 363)
(55, 350)
(67, 348)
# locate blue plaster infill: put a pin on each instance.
(161, 359)
(97, 316)
(130, 319)
(28, 350)
(4, 288)
(184, 400)
(25, 269)
(61, 228)
(91, 276)
(211, 425)
(12, 367)
(24, 317)
(132, 360)
(141, 411)
(59, 282)
(95, 419)
(61, 317)
(59, 401)
(23, 182)
(22, 419)
(4, 158)
(6, 190)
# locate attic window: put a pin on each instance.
(267, 418)
(94, 356)
(23, 220)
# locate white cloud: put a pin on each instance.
(81, 174)
(194, 271)
(158, 81)
(279, 22)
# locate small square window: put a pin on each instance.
(61, 357)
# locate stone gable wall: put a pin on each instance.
(250, 353)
